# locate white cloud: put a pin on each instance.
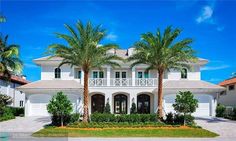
(220, 28)
(111, 36)
(206, 68)
(28, 65)
(206, 15)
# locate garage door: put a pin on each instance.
(38, 105)
(203, 105)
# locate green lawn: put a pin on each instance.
(124, 132)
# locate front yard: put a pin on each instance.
(125, 132)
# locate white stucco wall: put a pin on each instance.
(9, 88)
(229, 98)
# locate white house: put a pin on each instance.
(9, 88)
(118, 86)
(229, 97)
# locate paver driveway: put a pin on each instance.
(223, 127)
(24, 124)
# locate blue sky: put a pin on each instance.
(211, 24)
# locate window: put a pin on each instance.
(98, 74)
(231, 87)
(143, 74)
(57, 73)
(120, 104)
(78, 74)
(98, 103)
(184, 73)
(143, 104)
(21, 103)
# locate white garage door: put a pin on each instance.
(203, 105)
(38, 105)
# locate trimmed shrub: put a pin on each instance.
(99, 117)
(133, 109)
(169, 118)
(220, 110)
(17, 111)
(179, 119)
(68, 119)
(7, 114)
(107, 108)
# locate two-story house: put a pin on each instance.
(120, 87)
(9, 88)
(229, 97)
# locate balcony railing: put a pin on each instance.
(123, 82)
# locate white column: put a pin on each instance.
(82, 77)
(27, 106)
(133, 76)
(108, 75)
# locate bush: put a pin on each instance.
(220, 110)
(99, 117)
(68, 119)
(133, 109)
(169, 118)
(179, 119)
(17, 111)
(107, 108)
(7, 114)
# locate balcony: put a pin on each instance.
(123, 82)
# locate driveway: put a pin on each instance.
(22, 126)
(224, 127)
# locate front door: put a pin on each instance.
(97, 103)
(143, 101)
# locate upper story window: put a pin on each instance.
(143, 74)
(57, 73)
(184, 73)
(98, 74)
(78, 74)
(231, 87)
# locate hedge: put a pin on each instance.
(101, 117)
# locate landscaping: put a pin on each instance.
(6, 112)
(125, 132)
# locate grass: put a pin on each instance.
(124, 132)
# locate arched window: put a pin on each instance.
(184, 73)
(143, 104)
(120, 104)
(98, 103)
(57, 73)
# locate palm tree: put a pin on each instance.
(162, 53)
(9, 58)
(84, 50)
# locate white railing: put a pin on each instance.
(97, 82)
(121, 82)
(146, 82)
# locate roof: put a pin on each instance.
(123, 53)
(228, 82)
(17, 79)
(52, 84)
(190, 84)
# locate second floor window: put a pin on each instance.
(78, 74)
(98, 74)
(57, 73)
(143, 74)
(231, 87)
(184, 73)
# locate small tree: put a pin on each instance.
(107, 108)
(133, 109)
(4, 100)
(60, 106)
(185, 103)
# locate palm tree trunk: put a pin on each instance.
(86, 97)
(160, 93)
